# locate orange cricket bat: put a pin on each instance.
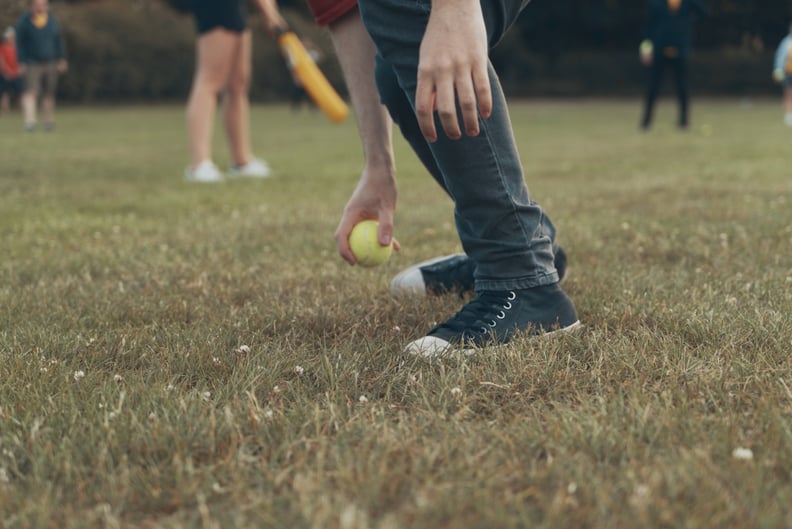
(315, 83)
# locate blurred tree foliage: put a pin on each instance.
(144, 49)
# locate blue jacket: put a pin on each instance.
(39, 44)
(782, 56)
(673, 29)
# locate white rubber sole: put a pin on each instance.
(433, 348)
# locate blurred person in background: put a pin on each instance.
(223, 68)
(10, 80)
(782, 73)
(668, 43)
(42, 58)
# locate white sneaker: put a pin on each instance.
(205, 173)
(255, 168)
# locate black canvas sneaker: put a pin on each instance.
(492, 318)
(450, 273)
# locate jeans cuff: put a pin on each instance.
(520, 283)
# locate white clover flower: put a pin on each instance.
(79, 375)
(152, 416)
(396, 328)
(43, 370)
(206, 395)
(215, 361)
(456, 391)
(298, 370)
(118, 379)
(269, 414)
(169, 387)
(276, 389)
(744, 454)
(243, 349)
(363, 399)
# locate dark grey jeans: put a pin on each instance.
(501, 228)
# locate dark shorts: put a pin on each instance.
(214, 14)
(11, 86)
(328, 11)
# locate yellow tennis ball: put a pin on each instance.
(364, 244)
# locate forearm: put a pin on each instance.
(356, 53)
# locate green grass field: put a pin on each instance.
(680, 248)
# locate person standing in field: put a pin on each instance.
(223, 69)
(10, 80)
(668, 44)
(433, 70)
(42, 58)
(782, 73)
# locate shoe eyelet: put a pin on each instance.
(512, 296)
(508, 305)
(483, 330)
(493, 323)
(501, 315)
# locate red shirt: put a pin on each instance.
(9, 67)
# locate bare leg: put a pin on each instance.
(214, 49)
(29, 108)
(236, 109)
(48, 109)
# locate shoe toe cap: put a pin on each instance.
(409, 283)
(428, 347)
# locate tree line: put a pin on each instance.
(143, 49)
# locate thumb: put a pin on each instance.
(385, 231)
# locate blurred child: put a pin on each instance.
(782, 73)
(10, 80)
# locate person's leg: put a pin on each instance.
(236, 106)
(788, 103)
(49, 89)
(30, 95)
(501, 228)
(213, 50)
(4, 97)
(505, 233)
(652, 88)
(680, 66)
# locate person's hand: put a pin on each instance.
(62, 66)
(373, 199)
(452, 67)
(646, 52)
(275, 24)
